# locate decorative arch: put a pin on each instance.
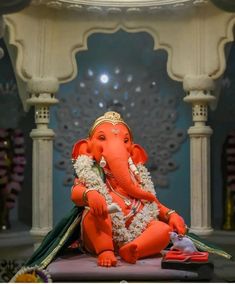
(75, 46)
(129, 29)
(48, 27)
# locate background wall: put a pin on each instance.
(13, 116)
(142, 77)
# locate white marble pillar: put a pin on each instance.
(198, 89)
(42, 97)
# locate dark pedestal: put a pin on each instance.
(204, 270)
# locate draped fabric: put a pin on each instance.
(58, 239)
(204, 245)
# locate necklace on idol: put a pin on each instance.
(125, 199)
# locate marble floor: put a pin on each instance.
(224, 270)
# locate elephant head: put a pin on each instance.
(111, 145)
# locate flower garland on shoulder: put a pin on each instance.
(84, 168)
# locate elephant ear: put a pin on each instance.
(81, 148)
(138, 154)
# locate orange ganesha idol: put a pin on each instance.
(122, 214)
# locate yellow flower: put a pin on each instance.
(27, 278)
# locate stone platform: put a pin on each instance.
(77, 268)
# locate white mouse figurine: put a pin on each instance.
(182, 243)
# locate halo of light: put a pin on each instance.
(101, 105)
(129, 78)
(90, 72)
(117, 70)
(104, 78)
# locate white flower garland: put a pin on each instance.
(84, 169)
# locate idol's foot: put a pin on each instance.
(107, 259)
(129, 252)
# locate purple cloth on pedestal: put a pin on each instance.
(84, 268)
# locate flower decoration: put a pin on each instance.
(32, 275)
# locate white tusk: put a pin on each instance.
(112, 208)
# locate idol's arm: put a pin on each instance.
(77, 193)
(175, 221)
(82, 196)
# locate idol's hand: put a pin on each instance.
(97, 204)
(177, 224)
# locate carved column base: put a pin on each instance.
(201, 231)
(38, 235)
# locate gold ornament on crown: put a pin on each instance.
(111, 117)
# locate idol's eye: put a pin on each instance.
(126, 140)
(101, 137)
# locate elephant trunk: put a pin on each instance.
(120, 170)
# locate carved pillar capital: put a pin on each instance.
(38, 85)
(198, 90)
(42, 96)
(198, 83)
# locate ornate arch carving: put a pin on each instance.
(38, 66)
(120, 6)
(194, 39)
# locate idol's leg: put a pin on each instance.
(97, 236)
(154, 239)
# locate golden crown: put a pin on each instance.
(111, 117)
